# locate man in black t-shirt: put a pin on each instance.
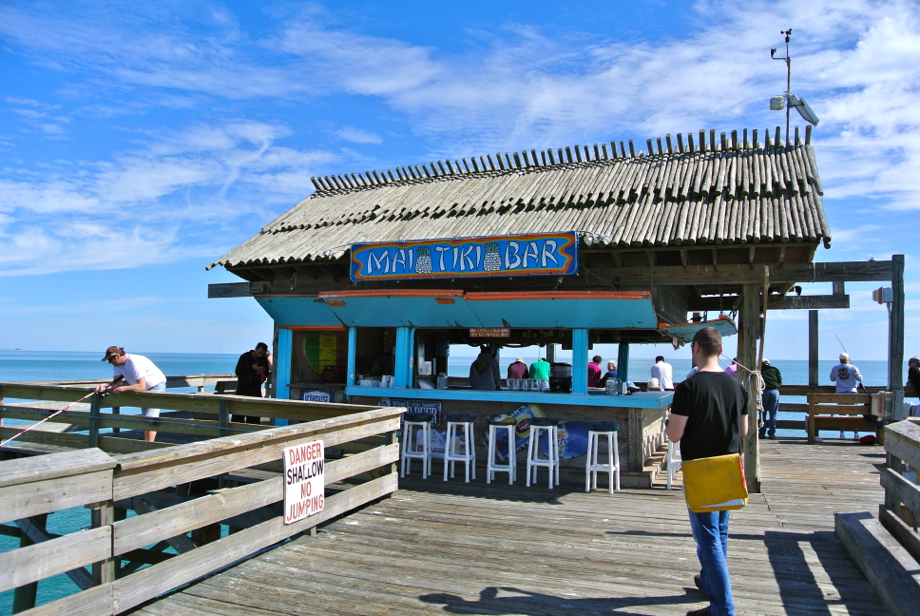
(251, 370)
(706, 419)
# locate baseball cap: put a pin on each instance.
(520, 359)
(113, 351)
(766, 362)
(844, 357)
(916, 360)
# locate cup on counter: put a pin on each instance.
(514, 384)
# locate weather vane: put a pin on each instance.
(788, 99)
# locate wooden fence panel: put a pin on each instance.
(250, 450)
(42, 560)
(152, 581)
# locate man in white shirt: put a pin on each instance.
(141, 375)
(664, 373)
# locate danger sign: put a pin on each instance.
(303, 481)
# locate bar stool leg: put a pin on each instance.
(555, 435)
(589, 462)
(615, 444)
(530, 439)
(426, 461)
(447, 452)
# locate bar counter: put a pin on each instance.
(640, 416)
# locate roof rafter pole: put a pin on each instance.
(745, 139)
(690, 143)
(622, 150)
(561, 155)
(475, 165)
(632, 149)
(797, 141)
(568, 154)
(587, 153)
(526, 158)
(549, 153)
(315, 183)
(597, 153)
(510, 165)
(754, 143)
(777, 141)
(501, 163)
(441, 167)
(651, 151)
(723, 142)
(390, 175)
(486, 167)
(604, 150)
(712, 139)
(667, 139)
(767, 141)
(377, 179)
(680, 143)
(896, 338)
(660, 149)
(734, 144)
(808, 134)
(533, 155)
(702, 141)
(423, 168)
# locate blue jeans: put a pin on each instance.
(770, 400)
(710, 531)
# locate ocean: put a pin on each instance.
(18, 365)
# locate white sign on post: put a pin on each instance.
(304, 486)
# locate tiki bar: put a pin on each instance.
(375, 278)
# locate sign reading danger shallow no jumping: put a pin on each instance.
(304, 486)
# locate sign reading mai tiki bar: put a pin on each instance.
(539, 254)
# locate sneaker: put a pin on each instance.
(772, 437)
(761, 435)
(702, 612)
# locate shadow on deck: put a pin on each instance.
(455, 548)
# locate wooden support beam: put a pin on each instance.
(748, 333)
(804, 302)
(229, 289)
(813, 348)
(650, 255)
(728, 274)
(896, 338)
(684, 257)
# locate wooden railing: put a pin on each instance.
(208, 416)
(184, 496)
(888, 549)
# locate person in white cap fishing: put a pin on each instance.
(141, 375)
(847, 377)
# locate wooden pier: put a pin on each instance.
(435, 548)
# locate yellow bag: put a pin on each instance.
(715, 484)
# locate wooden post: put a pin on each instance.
(223, 417)
(812, 348)
(747, 356)
(623, 362)
(94, 417)
(24, 596)
(116, 410)
(103, 514)
(896, 339)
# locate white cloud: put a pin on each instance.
(166, 200)
(356, 135)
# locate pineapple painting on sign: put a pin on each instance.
(538, 254)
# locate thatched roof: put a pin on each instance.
(726, 192)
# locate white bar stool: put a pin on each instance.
(413, 423)
(550, 426)
(596, 429)
(464, 422)
(510, 466)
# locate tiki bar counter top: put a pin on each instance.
(376, 277)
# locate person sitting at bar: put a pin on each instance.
(484, 371)
(518, 369)
(663, 372)
(539, 369)
(595, 372)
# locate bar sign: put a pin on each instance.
(490, 332)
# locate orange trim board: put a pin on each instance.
(502, 295)
(394, 293)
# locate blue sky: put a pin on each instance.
(140, 141)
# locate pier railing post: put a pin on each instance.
(103, 514)
(94, 419)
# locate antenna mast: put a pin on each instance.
(788, 61)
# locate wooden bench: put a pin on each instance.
(839, 412)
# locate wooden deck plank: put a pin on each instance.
(436, 547)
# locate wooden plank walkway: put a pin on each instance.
(436, 548)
